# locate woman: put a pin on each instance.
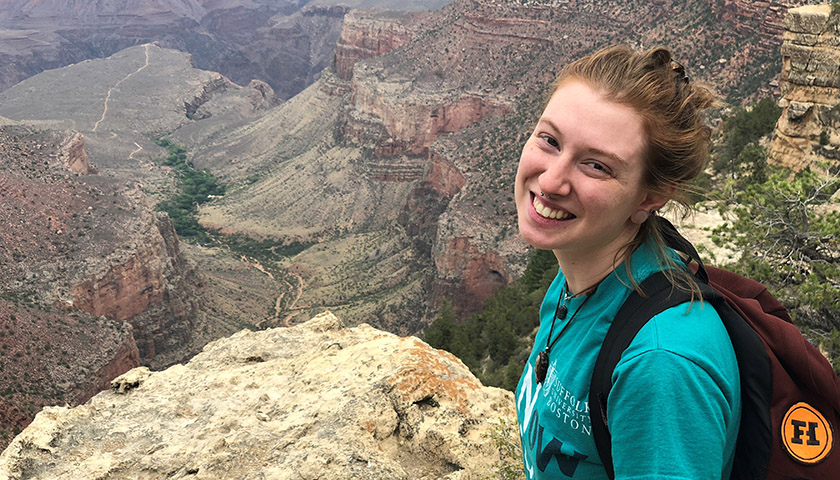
(621, 135)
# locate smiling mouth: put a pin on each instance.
(548, 212)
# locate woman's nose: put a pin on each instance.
(555, 180)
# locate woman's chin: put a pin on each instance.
(536, 238)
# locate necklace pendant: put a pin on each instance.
(541, 366)
(562, 311)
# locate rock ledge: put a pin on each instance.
(312, 401)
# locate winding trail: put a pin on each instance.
(294, 305)
(139, 149)
(278, 303)
(108, 97)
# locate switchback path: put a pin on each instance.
(108, 97)
(139, 149)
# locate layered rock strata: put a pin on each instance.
(764, 18)
(314, 400)
(367, 34)
(150, 287)
(88, 268)
(808, 131)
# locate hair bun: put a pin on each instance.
(661, 57)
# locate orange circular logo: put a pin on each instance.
(806, 434)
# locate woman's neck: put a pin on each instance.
(585, 268)
(581, 280)
(583, 273)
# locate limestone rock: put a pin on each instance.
(311, 401)
(808, 131)
(76, 158)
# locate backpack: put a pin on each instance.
(790, 393)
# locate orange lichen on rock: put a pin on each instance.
(433, 374)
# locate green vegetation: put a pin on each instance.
(197, 187)
(738, 153)
(790, 242)
(505, 437)
(255, 248)
(495, 343)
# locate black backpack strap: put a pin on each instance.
(633, 315)
(676, 241)
(754, 437)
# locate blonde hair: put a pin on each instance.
(671, 107)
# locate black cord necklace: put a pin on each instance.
(541, 365)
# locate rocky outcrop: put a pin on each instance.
(263, 96)
(809, 128)
(763, 18)
(468, 273)
(88, 267)
(146, 288)
(367, 34)
(208, 89)
(316, 400)
(403, 119)
(75, 157)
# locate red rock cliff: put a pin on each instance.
(413, 119)
(367, 35)
(149, 288)
(468, 274)
(75, 157)
(400, 115)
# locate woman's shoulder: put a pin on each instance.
(690, 332)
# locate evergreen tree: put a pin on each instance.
(495, 343)
(742, 128)
(439, 333)
(790, 241)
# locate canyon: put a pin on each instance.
(428, 111)
(66, 227)
(285, 44)
(389, 171)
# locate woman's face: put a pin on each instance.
(586, 155)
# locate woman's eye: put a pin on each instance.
(551, 141)
(599, 168)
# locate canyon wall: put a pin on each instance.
(401, 119)
(90, 274)
(368, 405)
(150, 286)
(367, 34)
(808, 131)
(763, 18)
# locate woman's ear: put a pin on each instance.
(656, 200)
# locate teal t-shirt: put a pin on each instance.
(675, 405)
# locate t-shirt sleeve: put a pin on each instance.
(675, 402)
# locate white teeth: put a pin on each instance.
(549, 212)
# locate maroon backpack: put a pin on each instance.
(790, 394)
